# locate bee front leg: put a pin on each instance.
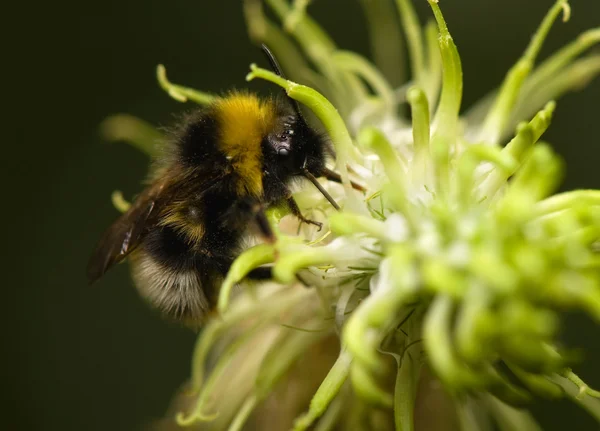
(335, 177)
(293, 206)
(263, 223)
(265, 273)
(246, 211)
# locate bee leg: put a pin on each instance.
(335, 177)
(263, 223)
(309, 176)
(264, 273)
(261, 273)
(293, 206)
(249, 210)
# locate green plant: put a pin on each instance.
(460, 258)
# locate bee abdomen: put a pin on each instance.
(182, 294)
(176, 276)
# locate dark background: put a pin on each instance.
(80, 358)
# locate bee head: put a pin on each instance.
(293, 147)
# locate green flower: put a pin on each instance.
(454, 267)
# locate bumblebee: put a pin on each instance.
(225, 165)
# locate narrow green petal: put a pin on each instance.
(324, 110)
(567, 200)
(319, 47)
(445, 122)
(471, 415)
(180, 93)
(572, 78)
(518, 149)
(366, 387)
(433, 81)
(357, 64)
(414, 38)
(298, 12)
(243, 413)
(262, 30)
(558, 61)
(119, 202)
(395, 288)
(584, 389)
(539, 176)
(421, 132)
(132, 130)
(446, 117)
(499, 115)
(406, 391)
(246, 262)
(348, 224)
(439, 346)
(474, 323)
(327, 391)
(273, 368)
(511, 419)
(374, 140)
(386, 39)
(539, 385)
(202, 410)
(590, 404)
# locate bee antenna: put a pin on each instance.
(277, 69)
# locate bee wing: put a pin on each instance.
(123, 236)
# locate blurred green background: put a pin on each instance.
(95, 358)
